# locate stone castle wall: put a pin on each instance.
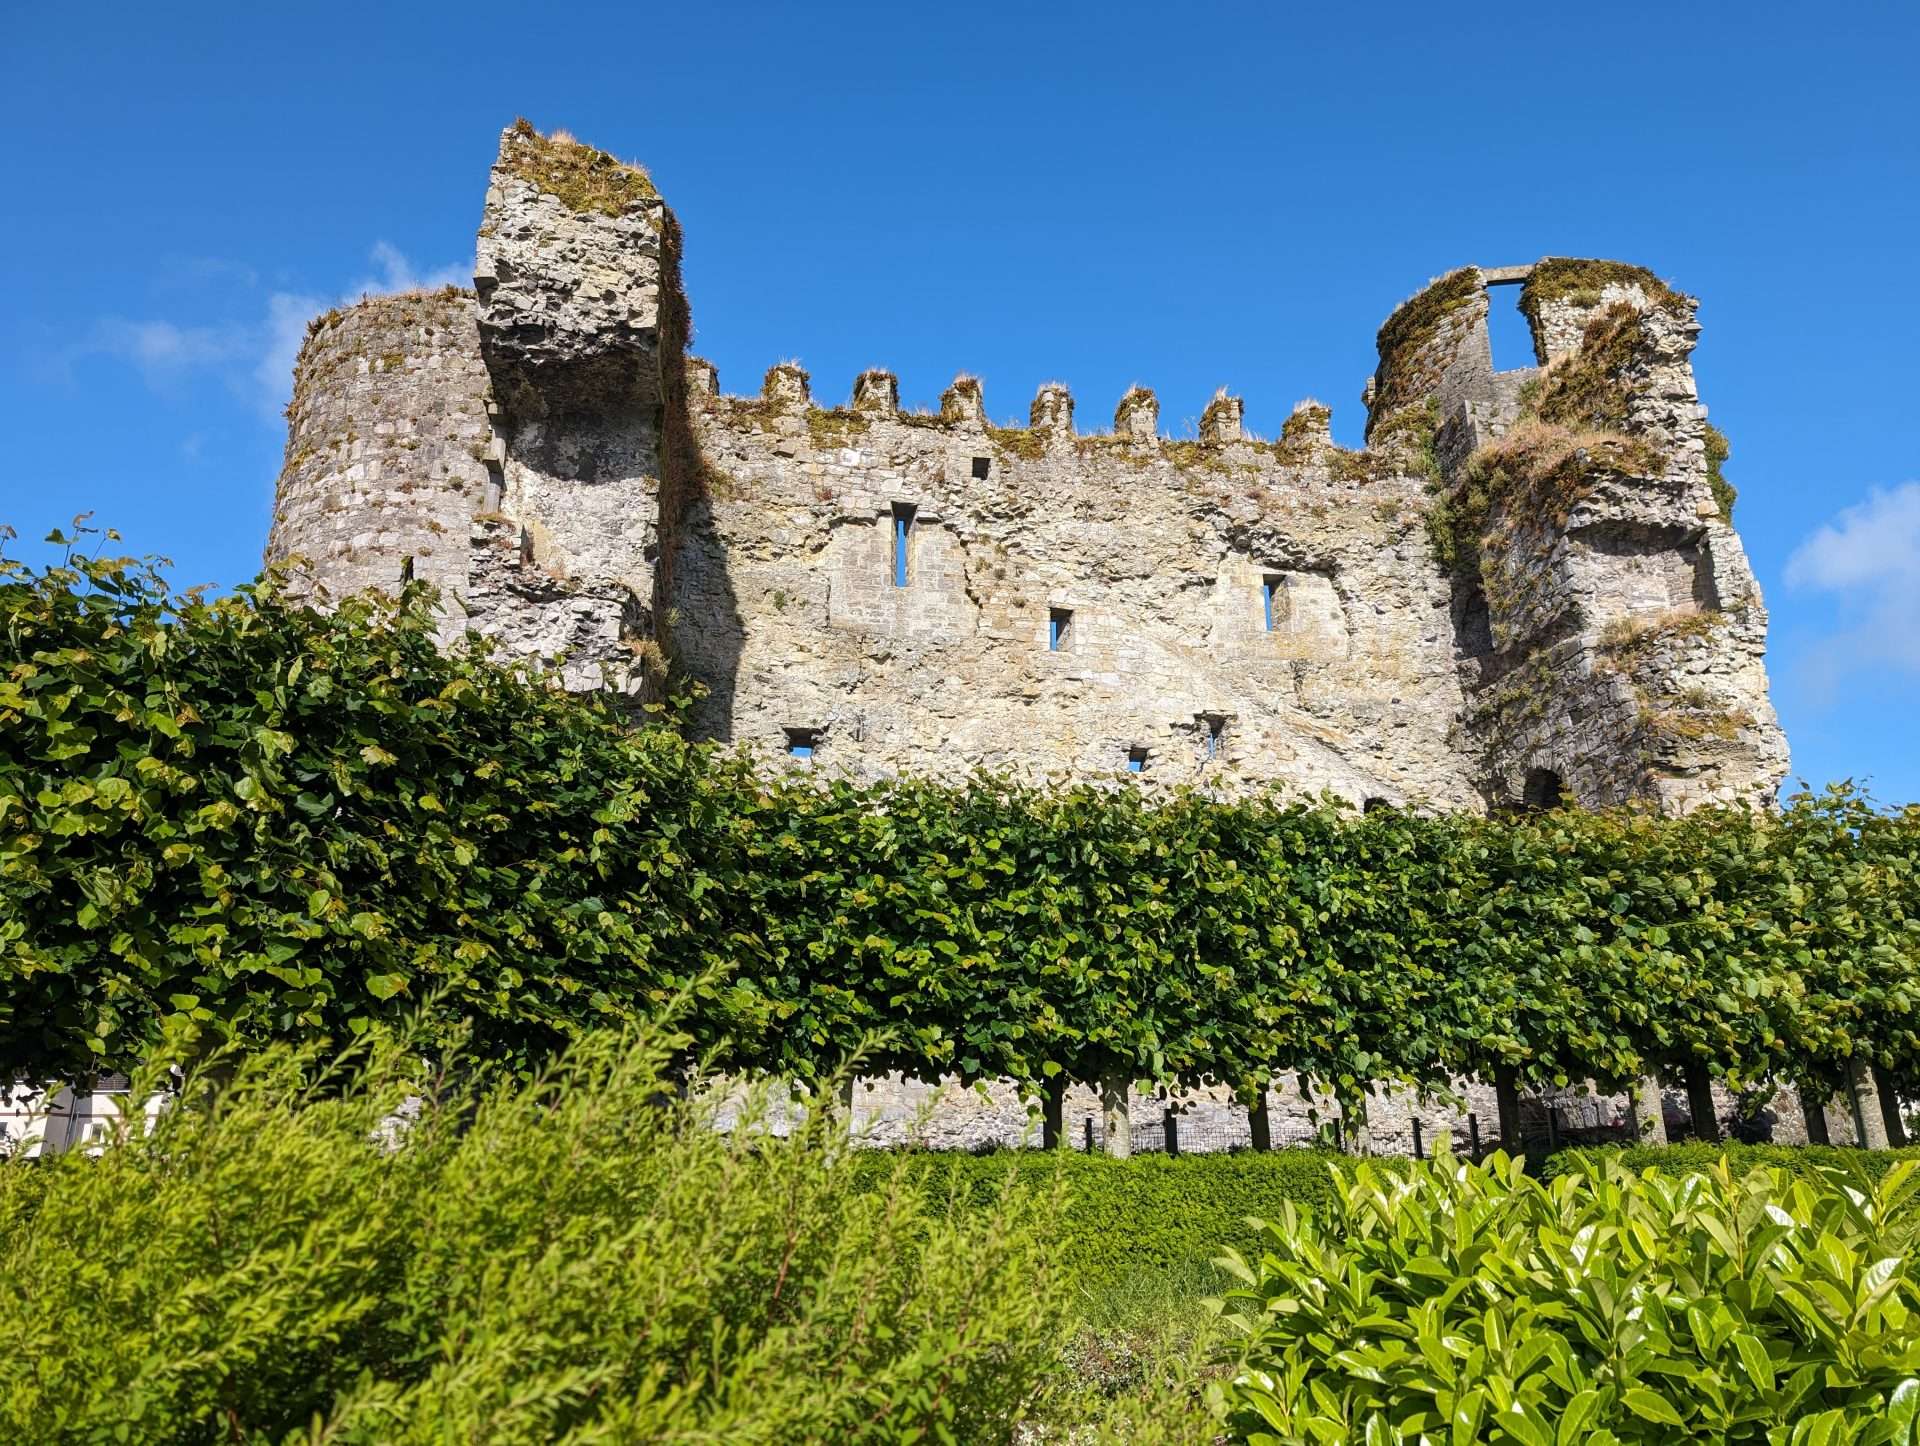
(887, 589)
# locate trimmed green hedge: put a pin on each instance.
(241, 819)
(1151, 1214)
(1806, 1160)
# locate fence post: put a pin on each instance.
(1813, 1109)
(1473, 1136)
(1171, 1124)
(1869, 1124)
(1260, 1122)
(1645, 1111)
(1418, 1153)
(1053, 1104)
(1116, 1117)
(1506, 1094)
(1706, 1125)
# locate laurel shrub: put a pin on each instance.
(1453, 1302)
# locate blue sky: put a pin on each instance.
(1105, 194)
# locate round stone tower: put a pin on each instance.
(390, 454)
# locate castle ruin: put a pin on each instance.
(1525, 589)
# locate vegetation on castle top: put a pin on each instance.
(1305, 423)
(1591, 387)
(836, 426)
(239, 819)
(1135, 399)
(1724, 493)
(1016, 441)
(961, 400)
(1220, 411)
(1583, 282)
(1414, 324)
(577, 175)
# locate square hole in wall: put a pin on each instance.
(802, 742)
(981, 466)
(1212, 728)
(1136, 760)
(1059, 630)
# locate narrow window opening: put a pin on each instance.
(1136, 760)
(981, 466)
(1059, 630)
(1273, 599)
(1213, 730)
(1509, 334)
(902, 541)
(406, 568)
(1375, 804)
(801, 742)
(1542, 790)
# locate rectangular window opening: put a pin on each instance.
(1509, 333)
(406, 568)
(1273, 598)
(1136, 760)
(801, 742)
(1059, 630)
(981, 466)
(902, 541)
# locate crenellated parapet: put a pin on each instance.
(1528, 577)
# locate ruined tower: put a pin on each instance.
(1526, 586)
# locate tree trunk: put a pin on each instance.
(1648, 1114)
(1359, 1135)
(1706, 1124)
(1506, 1094)
(1117, 1114)
(1813, 1108)
(1053, 1105)
(1890, 1112)
(1869, 1124)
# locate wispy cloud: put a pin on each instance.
(1869, 557)
(256, 357)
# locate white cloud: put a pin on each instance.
(1869, 556)
(257, 357)
(161, 350)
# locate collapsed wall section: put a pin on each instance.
(581, 329)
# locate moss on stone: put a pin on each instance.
(1305, 421)
(1414, 324)
(1537, 470)
(1583, 280)
(580, 177)
(1718, 450)
(1589, 387)
(1018, 441)
(834, 426)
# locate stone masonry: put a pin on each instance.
(868, 589)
